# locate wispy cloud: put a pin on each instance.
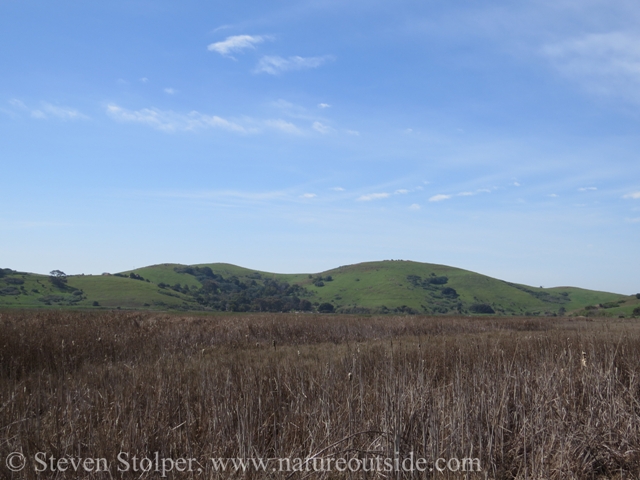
(308, 195)
(64, 113)
(236, 43)
(439, 198)
(634, 195)
(587, 189)
(414, 206)
(323, 105)
(605, 63)
(372, 196)
(401, 191)
(170, 121)
(355, 133)
(48, 110)
(170, 91)
(338, 189)
(283, 126)
(320, 127)
(274, 65)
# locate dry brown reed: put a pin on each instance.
(517, 393)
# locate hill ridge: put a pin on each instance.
(385, 286)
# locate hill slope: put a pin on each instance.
(372, 287)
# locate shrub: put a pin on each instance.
(481, 308)
(326, 308)
(9, 291)
(638, 296)
(95, 303)
(305, 305)
(58, 281)
(450, 292)
(636, 312)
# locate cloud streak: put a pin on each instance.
(275, 65)
(236, 44)
(605, 63)
(48, 110)
(372, 196)
(439, 198)
(171, 122)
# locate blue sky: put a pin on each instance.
(297, 136)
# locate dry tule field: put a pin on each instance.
(517, 394)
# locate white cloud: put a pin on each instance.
(275, 65)
(402, 191)
(169, 121)
(308, 195)
(414, 206)
(587, 189)
(372, 196)
(283, 126)
(553, 195)
(236, 43)
(170, 91)
(634, 195)
(144, 79)
(353, 132)
(338, 189)
(48, 110)
(439, 198)
(319, 127)
(323, 105)
(466, 194)
(14, 102)
(605, 63)
(516, 184)
(64, 113)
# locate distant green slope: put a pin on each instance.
(376, 287)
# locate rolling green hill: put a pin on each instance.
(372, 287)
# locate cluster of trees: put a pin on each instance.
(11, 288)
(481, 308)
(433, 279)
(58, 278)
(6, 271)
(252, 294)
(319, 280)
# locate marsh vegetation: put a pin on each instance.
(517, 393)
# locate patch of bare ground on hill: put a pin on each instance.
(516, 393)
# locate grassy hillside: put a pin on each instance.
(372, 287)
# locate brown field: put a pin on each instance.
(516, 393)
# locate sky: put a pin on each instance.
(297, 136)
